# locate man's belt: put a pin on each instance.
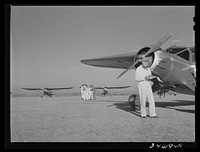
(142, 80)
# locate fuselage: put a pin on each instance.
(47, 92)
(169, 68)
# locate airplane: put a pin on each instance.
(47, 91)
(175, 66)
(106, 89)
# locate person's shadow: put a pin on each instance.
(126, 107)
(170, 105)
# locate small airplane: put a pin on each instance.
(175, 66)
(106, 89)
(47, 91)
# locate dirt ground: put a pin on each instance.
(107, 119)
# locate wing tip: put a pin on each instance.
(82, 61)
(87, 62)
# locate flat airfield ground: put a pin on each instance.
(106, 119)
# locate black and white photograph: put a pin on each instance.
(103, 74)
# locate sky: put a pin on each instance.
(48, 42)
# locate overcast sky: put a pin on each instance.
(47, 43)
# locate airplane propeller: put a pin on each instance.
(154, 48)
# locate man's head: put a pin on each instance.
(145, 62)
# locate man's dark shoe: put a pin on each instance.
(154, 117)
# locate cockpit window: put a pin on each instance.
(174, 50)
(185, 55)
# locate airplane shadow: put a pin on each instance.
(174, 103)
(169, 105)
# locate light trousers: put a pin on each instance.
(91, 95)
(145, 92)
(84, 95)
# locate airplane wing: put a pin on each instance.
(121, 61)
(58, 88)
(47, 88)
(122, 87)
(98, 87)
(32, 88)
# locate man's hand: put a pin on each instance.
(147, 78)
(150, 77)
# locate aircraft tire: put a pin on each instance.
(134, 102)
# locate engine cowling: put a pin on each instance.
(142, 51)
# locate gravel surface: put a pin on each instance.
(107, 119)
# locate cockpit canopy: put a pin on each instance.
(183, 52)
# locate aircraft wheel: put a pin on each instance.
(134, 102)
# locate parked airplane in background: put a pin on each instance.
(106, 89)
(175, 66)
(47, 91)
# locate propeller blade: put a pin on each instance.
(158, 44)
(130, 67)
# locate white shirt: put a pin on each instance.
(141, 73)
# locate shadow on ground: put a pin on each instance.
(174, 103)
(169, 105)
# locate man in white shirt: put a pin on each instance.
(142, 77)
(82, 95)
(84, 92)
(91, 92)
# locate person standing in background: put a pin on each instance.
(86, 92)
(94, 92)
(82, 98)
(91, 92)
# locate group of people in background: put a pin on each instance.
(87, 92)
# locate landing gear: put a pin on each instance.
(134, 102)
